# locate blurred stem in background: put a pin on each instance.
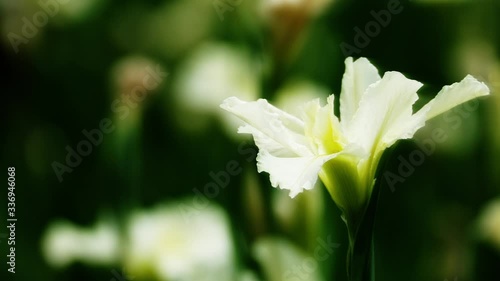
(132, 79)
(128, 149)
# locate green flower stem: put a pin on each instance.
(360, 255)
(361, 252)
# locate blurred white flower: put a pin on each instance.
(489, 223)
(282, 260)
(303, 214)
(65, 243)
(212, 73)
(295, 93)
(248, 276)
(166, 244)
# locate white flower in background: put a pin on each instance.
(282, 260)
(212, 73)
(295, 93)
(375, 112)
(247, 275)
(489, 223)
(65, 243)
(165, 244)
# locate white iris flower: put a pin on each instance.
(375, 112)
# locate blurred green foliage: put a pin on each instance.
(60, 83)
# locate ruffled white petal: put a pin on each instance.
(384, 112)
(274, 130)
(449, 97)
(262, 141)
(294, 174)
(286, 151)
(358, 76)
(455, 94)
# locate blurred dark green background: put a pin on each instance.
(92, 53)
